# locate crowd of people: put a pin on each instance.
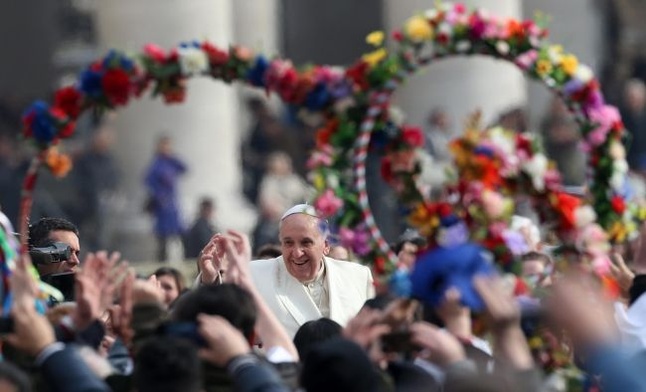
(290, 309)
(300, 320)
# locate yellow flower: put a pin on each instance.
(535, 342)
(543, 67)
(375, 57)
(618, 232)
(318, 181)
(418, 29)
(558, 49)
(569, 63)
(376, 38)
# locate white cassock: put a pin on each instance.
(346, 287)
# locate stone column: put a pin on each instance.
(205, 129)
(460, 85)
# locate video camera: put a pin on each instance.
(56, 252)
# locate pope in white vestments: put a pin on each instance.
(303, 284)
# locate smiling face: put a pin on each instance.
(303, 246)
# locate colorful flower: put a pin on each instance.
(418, 29)
(373, 58)
(116, 86)
(376, 38)
(569, 63)
(59, 164)
(327, 204)
(413, 136)
(193, 61)
(543, 67)
(68, 99)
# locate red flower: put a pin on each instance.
(357, 73)
(397, 35)
(386, 170)
(413, 136)
(116, 86)
(566, 205)
(216, 56)
(68, 126)
(524, 144)
(618, 204)
(68, 99)
(444, 210)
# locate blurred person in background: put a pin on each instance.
(280, 189)
(633, 114)
(161, 182)
(97, 178)
(202, 229)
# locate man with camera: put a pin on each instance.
(54, 248)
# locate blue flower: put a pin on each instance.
(43, 127)
(90, 83)
(256, 74)
(341, 89)
(440, 269)
(483, 150)
(318, 97)
(400, 283)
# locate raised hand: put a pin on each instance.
(32, 331)
(95, 287)
(211, 260)
(223, 340)
(503, 314)
(438, 346)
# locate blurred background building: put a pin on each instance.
(222, 133)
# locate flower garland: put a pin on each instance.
(345, 98)
(452, 30)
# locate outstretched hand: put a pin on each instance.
(211, 260)
(95, 286)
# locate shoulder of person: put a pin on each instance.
(347, 266)
(264, 265)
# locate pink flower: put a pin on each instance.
(493, 204)
(323, 157)
(604, 117)
(155, 52)
(526, 60)
(328, 204)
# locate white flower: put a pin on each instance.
(583, 73)
(445, 29)
(620, 166)
(617, 181)
(431, 14)
(396, 115)
(536, 168)
(192, 61)
(584, 216)
(333, 181)
(534, 41)
(555, 55)
(463, 46)
(502, 47)
(501, 140)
